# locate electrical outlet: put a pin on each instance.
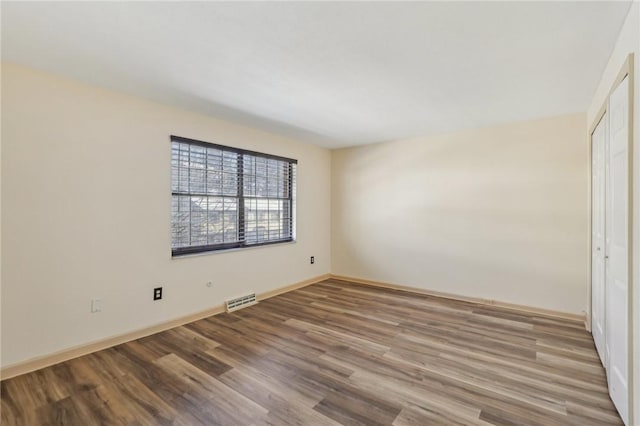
(313, 260)
(96, 305)
(157, 293)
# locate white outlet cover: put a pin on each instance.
(96, 305)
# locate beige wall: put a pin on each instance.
(86, 213)
(628, 42)
(497, 213)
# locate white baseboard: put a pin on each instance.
(479, 301)
(87, 348)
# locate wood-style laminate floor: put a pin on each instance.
(331, 353)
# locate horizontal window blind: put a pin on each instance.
(225, 197)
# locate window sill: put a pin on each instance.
(230, 250)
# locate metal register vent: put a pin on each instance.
(241, 302)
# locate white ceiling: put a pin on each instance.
(334, 74)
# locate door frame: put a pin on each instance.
(627, 70)
(588, 317)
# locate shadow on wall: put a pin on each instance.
(500, 208)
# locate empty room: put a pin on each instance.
(320, 213)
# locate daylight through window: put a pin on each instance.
(225, 197)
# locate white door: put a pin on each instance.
(617, 251)
(598, 142)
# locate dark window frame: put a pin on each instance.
(242, 242)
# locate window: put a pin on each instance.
(229, 198)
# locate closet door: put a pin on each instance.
(617, 253)
(598, 143)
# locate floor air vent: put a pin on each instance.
(241, 302)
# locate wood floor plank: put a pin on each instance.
(351, 405)
(332, 353)
(415, 415)
(227, 405)
(417, 395)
